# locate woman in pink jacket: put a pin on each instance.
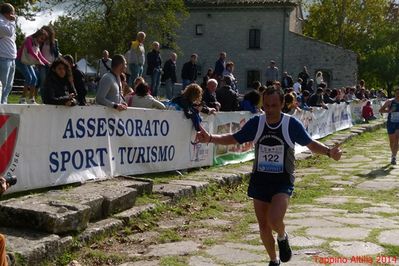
(29, 55)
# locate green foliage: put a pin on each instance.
(24, 8)
(92, 26)
(368, 28)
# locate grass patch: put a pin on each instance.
(150, 199)
(99, 257)
(310, 188)
(351, 207)
(173, 261)
(65, 259)
(241, 228)
(209, 242)
(168, 236)
(373, 235)
(393, 251)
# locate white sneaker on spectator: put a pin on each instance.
(22, 100)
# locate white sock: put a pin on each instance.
(282, 238)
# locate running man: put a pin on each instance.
(391, 107)
(272, 180)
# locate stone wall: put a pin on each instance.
(340, 63)
(228, 30)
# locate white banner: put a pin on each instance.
(59, 145)
(322, 122)
(46, 145)
(357, 107)
(231, 122)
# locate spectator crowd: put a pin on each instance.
(121, 79)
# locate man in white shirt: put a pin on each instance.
(8, 49)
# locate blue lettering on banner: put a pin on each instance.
(79, 159)
(101, 127)
(149, 154)
(344, 116)
(63, 161)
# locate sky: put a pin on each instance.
(42, 18)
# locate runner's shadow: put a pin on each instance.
(380, 172)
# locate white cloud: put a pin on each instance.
(42, 18)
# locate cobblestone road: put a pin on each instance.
(346, 212)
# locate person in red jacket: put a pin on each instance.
(367, 112)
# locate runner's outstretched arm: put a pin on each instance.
(318, 147)
(385, 107)
(226, 139)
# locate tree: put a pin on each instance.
(24, 8)
(366, 27)
(94, 25)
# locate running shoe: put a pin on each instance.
(285, 249)
(273, 263)
(393, 161)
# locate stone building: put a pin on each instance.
(253, 32)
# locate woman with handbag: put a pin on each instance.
(29, 55)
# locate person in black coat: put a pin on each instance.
(154, 68)
(209, 97)
(189, 71)
(286, 81)
(169, 75)
(227, 97)
(58, 89)
(78, 80)
(304, 75)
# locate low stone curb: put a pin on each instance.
(32, 252)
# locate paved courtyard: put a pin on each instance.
(342, 213)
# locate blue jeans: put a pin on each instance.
(155, 81)
(169, 89)
(7, 71)
(135, 72)
(185, 82)
(28, 72)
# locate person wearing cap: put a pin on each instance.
(271, 73)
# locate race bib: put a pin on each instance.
(395, 117)
(271, 158)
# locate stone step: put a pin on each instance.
(32, 247)
(68, 210)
